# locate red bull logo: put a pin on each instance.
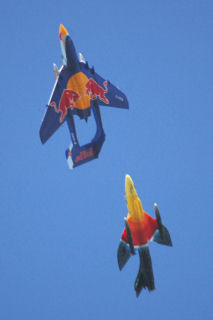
(68, 100)
(84, 155)
(93, 90)
(71, 99)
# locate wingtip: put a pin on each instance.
(43, 140)
(120, 266)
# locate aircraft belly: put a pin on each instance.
(141, 231)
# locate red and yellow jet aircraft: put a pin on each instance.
(140, 228)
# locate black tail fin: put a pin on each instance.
(163, 236)
(145, 277)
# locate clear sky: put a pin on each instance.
(60, 229)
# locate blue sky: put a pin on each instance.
(60, 229)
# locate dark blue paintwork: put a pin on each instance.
(53, 117)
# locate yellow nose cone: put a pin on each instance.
(133, 202)
(62, 31)
(129, 186)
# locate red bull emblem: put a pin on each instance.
(84, 155)
(93, 90)
(71, 99)
(68, 100)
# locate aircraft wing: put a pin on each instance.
(106, 93)
(49, 124)
(126, 246)
(96, 88)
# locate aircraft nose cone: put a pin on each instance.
(62, 31)
(129, 186)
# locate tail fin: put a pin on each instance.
(162, 236)
(145, 277)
